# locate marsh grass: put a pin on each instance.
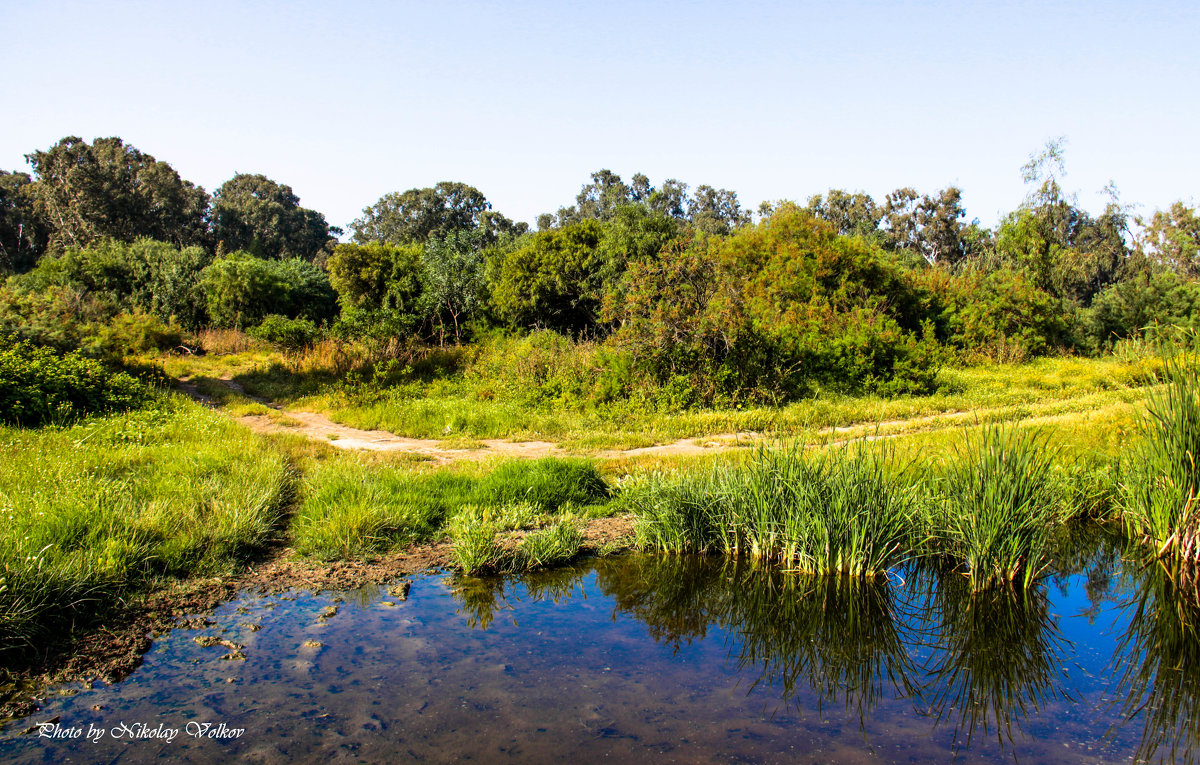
(90, 512)
(1158, 496)
(477, 548)
(998, 505)
(354, 506)
(839, 511)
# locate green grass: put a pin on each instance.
(92, 511)
(997, 506)
(833, 512)
(1159, 494)
(474, 533)
(355, 506)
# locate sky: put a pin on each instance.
(346, 102)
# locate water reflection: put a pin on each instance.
(997, 659)
(973, 662)
(1158, 663)
(835, 638)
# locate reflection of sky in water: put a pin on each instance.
(642, 658)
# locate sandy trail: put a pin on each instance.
(319, 427)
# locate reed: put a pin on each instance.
(999, 506)
(839, 512)
(1158, 496)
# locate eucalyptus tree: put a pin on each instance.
(258, 215)
(418, 215)
(108, 189)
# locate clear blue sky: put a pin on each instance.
(348, 101)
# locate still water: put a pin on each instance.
(664, 659)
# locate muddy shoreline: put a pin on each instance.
(109, 651)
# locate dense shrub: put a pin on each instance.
(242, 289)
(39, 386)
(289, 334)
(773, 310)
(1132, 307)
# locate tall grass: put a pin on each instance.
(353, 506)
(90, 512)
(836, 512)
(474, 530)
(1158, 497)
(998, 506)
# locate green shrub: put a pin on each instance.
(39, 386)
(289, 334)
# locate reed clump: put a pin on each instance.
(998, 506)
(1158, 496)
(836, 512)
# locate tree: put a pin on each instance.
(418, 215)
(553, 281)
(452, 281)
(241, 289)
(108, 189)
(852, 214)
(255, 214)
(1172, 238)
(376, 277)
(716, 211)
(22, 233)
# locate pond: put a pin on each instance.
(663, 659)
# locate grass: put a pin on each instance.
(997, 506)
(93, 511)
(1159, 494)
(834, 512)
(356, 506)
(474, 530)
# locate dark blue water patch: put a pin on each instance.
(664, 659)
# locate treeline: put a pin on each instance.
(681, 289)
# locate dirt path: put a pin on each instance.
(319, 427)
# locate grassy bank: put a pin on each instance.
(107, 506)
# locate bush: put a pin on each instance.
(289, 334)
(242, 289)
(39, 386)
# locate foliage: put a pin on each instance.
(39, 386)
(242, 289)
(418, 215)
(452, 282)
(23, 234)
(109, 189)
(1000, 314)
(787, 303)
(376, 276)
(1172, 239)
(285, 333)
(1140, 305)
(263, 217)
(552, 281)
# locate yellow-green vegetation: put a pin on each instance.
(556, 538)
(95, 510)
(356, 506)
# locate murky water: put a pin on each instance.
(675, 659)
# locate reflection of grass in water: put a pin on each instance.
(480, 597)
(835, 636)
(1157, 661)
(997, 660)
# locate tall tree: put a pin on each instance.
(716, 211)
(86, 192)
(22, 234)
(851, 213)
(1172, 238)
(258, 215)
(418, 215)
